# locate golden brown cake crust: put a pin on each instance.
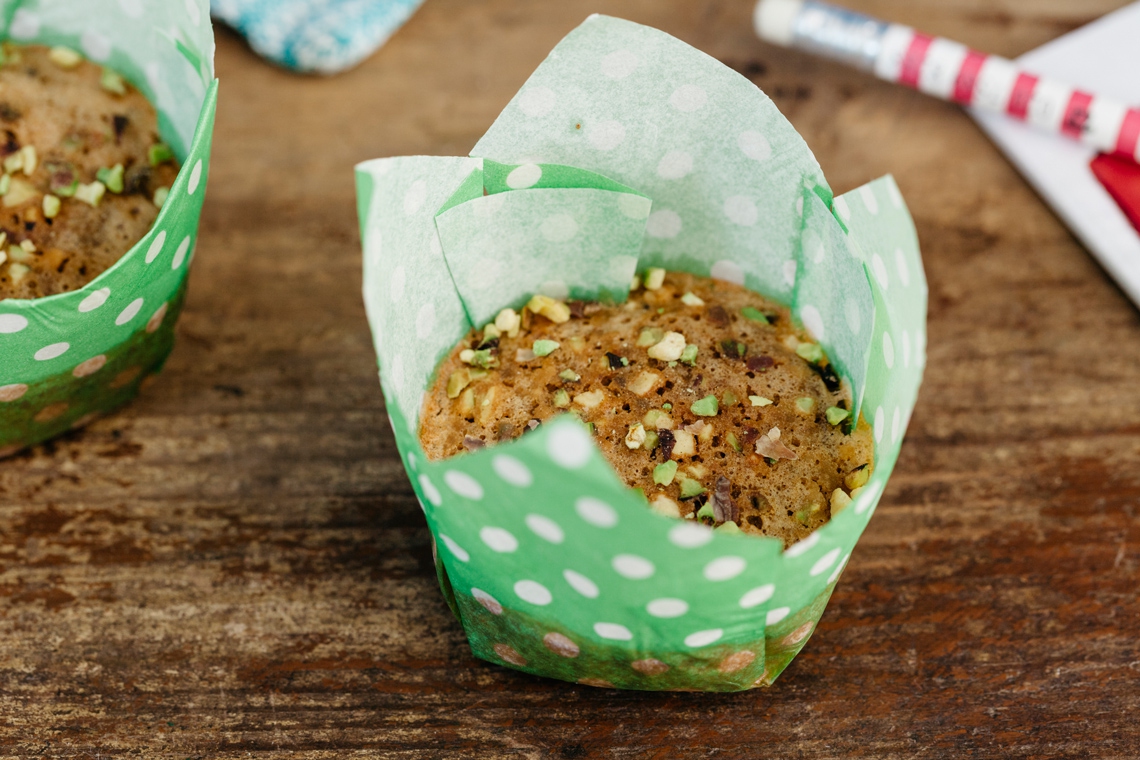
(76, 127)
(741, 361)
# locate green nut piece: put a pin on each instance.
(706, 407)
(663, 473)
(667, 406)
(456, 382)
(728, 527)
(734, 442)
(544, 347)
(113, 83)
(650, 336)
(805, 404)
(159, 153)
(706, 511)
(810, 352)
(755, 315)
(691, 488)
(112, 178)
(651, 440)
(561, 398)
(728, 398)
(689, 355)
(569, 376)
(835, 415)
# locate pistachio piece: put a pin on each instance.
(754, 315)
(689, 355)
(508, 321)
(857, 478)
(490, 333)
(728, 398)
(760, 401)
(91, 194)
(18, 193)
(691, 299)
(17, 272)
(569, 376)
(555, 311)
(650, 336)
(51, 206)
(728, 527)
(839, 501)
(64, 57)
(663, 473)
(691, 488)
(654, 278)
(810, 352)
(544, 347)
(5, 183)
(835, 415)
(669, 348)
(651, 440)
(457, 381)
(644, 383)
(160, 196)
(663, 505)
(112, 82)
(706, 407)
(590, 400)
(29, 162)
(658, 420)
(770, 446)
(561, 398)
(805, 405)
(112, 178)
(706, 512)
(636, 436)
(734, 442)
(634, 284)
(159, 153)
(685, 444)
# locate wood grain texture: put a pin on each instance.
(235, 566)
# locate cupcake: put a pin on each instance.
(704, 397)
(106, 114)
(628, 152)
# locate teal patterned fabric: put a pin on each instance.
(316, 36)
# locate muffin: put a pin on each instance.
(84, 170)
(704, 396)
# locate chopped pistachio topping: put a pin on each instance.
(706, 512)
(590, 400)
(456, 382)
(490, 332)
(14, 162)
(113, 83)
(65, 57)
(467, 355)
(51, 206)
(754, 314)
(669, 348)
(810, 352)
(663, 505)
(857, 478)
(561, 398)
(91, 194)
(835, 415)
(805, 404)
(654, 278)
(569, 376)
(159, 153)
(5, 183)
(508, 321)
(544, 347)
(636, 436)
(663, 473)
(728, 527)
(691, 488)
(28, 246)
(554, 310)
(160, 196)
(706, 407)
(692, 299)
(30, 161)
(18, 193)
(728, 398)
(760, 401)
(650, 336)
(635, 283)
(667, 406)
(19, 253)
(651, 440)
(839, 501)
(17, 272)
(112, 178)
(734, 442)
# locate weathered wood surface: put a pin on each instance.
(235, 566)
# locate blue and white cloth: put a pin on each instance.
(315, 36)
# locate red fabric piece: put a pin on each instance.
(1121, 178)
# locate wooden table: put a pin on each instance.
(235, 566)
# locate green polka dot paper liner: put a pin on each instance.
(69, 358)
(628, 149)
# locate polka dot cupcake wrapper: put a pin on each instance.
(70, 358)
(628, 149)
